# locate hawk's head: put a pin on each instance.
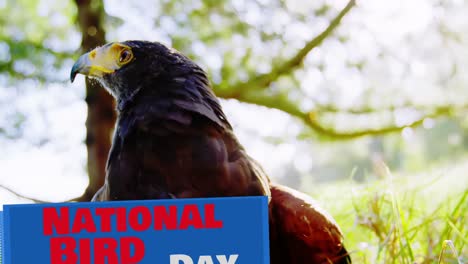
(125, 67)
(131, 68)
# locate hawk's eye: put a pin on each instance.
(125, 56)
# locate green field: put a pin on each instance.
(402, 218)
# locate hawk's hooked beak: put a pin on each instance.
(102, 60)
(82, 65)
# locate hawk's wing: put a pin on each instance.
(165, 150)
(301, 232)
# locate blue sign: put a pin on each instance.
(179, 231)
(1, 237)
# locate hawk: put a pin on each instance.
(173, 140)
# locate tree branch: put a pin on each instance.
(390, 108)
(311, 121)
(251, 92)
(35, 200)
(263, 81)
(21, 195)
(282, 103)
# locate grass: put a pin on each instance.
(402, 218)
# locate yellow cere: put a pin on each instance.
(108, 58)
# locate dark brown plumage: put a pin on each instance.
(172, 140)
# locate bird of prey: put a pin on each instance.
(173, 140)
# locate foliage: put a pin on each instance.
(35, 39)
(305, 62)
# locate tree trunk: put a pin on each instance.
(101, 113)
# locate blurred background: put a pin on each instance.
(361, 105)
